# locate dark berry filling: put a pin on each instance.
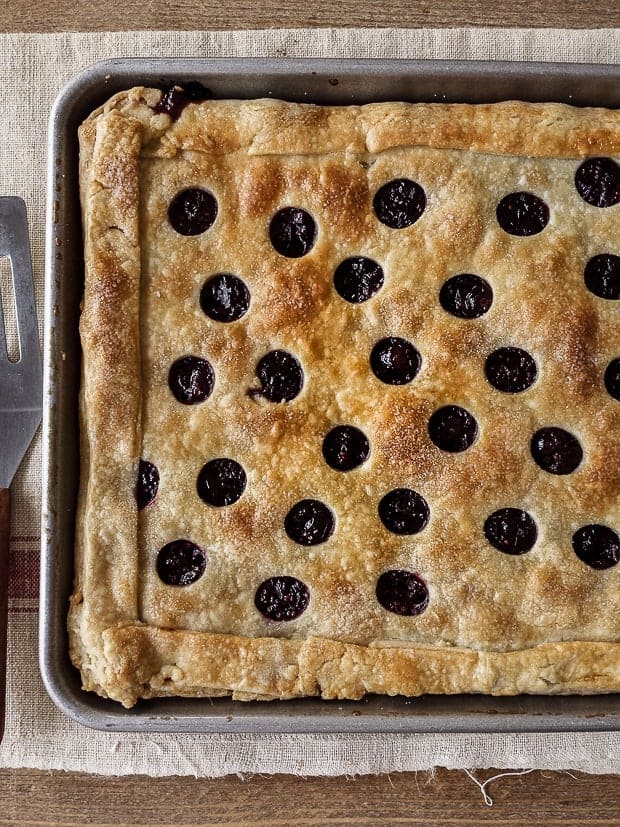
(221, 482)
(522, 214)
(452, 429)
(181, 563)
(510, 530)
(466, 296)
(602, 276)
(282, 598)
(175, 97)
(612, 378)
(191, 379)
(404, 511)
(345, 448)
(147, 483)
(192, 211)
(224, 298)
(395, 361)
(598, 182)
(399, 203)
(292, 232)
(510, 369)
(280, 375)
(358, 279)
(597, 546)
(309, 523)
(556, 450)
(402, 592)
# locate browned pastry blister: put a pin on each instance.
(349, 416)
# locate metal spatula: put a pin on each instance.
(21, 391)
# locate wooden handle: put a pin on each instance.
(5, 532)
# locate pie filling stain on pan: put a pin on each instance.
(297, 80)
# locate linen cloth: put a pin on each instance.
(33, 68)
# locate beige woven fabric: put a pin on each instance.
(32, 70)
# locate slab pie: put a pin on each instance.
(350, 405)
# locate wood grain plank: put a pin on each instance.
(83, 15)
(51, 799)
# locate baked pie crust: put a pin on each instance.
(453, 613)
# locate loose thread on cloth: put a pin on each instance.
(33, 68)
(484, 784)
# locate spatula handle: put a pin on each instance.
(5, 532)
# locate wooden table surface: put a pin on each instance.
(84, 15)
(30, 797)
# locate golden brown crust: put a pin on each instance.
(106, 579)
(542, 622)
(151, 662)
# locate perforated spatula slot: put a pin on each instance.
(8, 329)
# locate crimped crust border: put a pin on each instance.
(120, 657)
(150, 662)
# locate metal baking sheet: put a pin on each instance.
(318, 81)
